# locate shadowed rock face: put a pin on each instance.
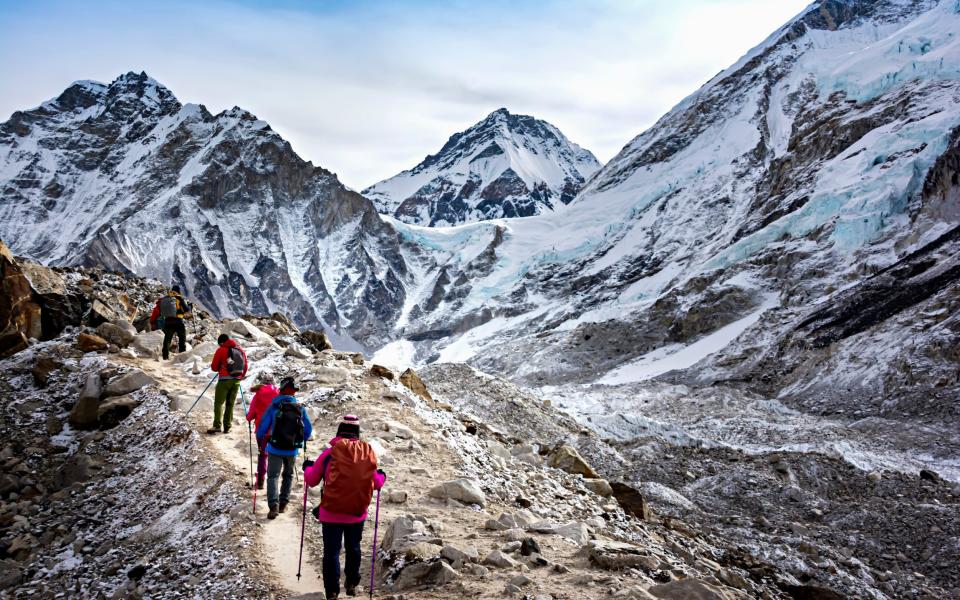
(219, 204)
(19, 315)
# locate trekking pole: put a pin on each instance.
(202, 393)
(246, 411)
(303, 514)
(251, 467)
(373, 559)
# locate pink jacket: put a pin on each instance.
(261, 402)
(314, 475)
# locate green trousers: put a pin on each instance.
(223, 400)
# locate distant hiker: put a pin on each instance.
(230, 361)
(172, 309)
(349, 471)
(288, 427)
(156, 321)
(264, 393)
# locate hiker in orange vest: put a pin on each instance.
(349, 471)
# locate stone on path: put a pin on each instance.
(464, 490)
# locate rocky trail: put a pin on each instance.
(108, 490)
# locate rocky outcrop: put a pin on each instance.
(90, 342)
(83, 415)
(19, 314)
(569, 460)
(416, 385)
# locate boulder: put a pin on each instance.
(131, 382)
(83, 415)
(89, 342)
(249, 331)
(406, 531)
(600, 487)
(59, 306)
(464, 490)
(77, 469)
(613, 555)
(109, 306)
(422, 551)
(148, 344)
(202, 351)
(42, 369)
(295, 350)
(332, 376)
(454, 554)
(412, 381)
(688, 589)
(381, 371)
(499, 559)
(576, 532)
(928, 475)
(118, 334)
(424, 574)
(317, 339)
(631, 500)
(400, 430)
(19, 314)
(568, 459)
(396, 497)
(114, 410)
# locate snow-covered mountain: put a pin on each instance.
(504, 166)
(794, 197)
(125, 176)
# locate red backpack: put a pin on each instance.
(348, 482)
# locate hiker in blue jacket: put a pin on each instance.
(288, 427)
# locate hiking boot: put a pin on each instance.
(283, 507)
(213, 430)
(260, 485)
(226, 431)
(351, 590)
(333, 596)
(273, 513)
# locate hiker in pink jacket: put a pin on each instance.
(349, 471)
(266, 391)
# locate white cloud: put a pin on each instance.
(367, 90)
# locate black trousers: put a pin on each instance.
(173, 327)
(336, 536)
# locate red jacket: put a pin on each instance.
(219, 363)
(261, 402)
(154, 316)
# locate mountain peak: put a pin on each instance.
(506, 165)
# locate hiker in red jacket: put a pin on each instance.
(349, 471)
(264, 393)
(230, 361)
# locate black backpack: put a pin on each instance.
(236, 362)
(287, 427)
(169, 307)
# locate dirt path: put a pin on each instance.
(277, 539)
(415, 456)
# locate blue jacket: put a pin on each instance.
(266, 425)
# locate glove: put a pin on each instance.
(307, 463)
(382, 473)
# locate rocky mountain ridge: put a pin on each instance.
(124, 176)
(506, 165)
(820, 165)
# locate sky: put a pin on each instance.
(368, 89)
